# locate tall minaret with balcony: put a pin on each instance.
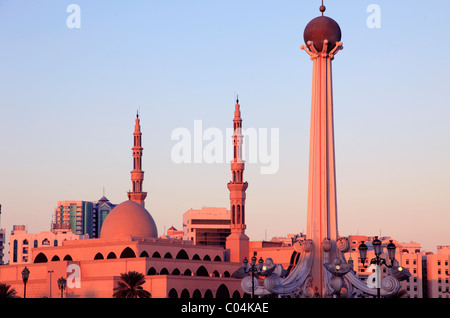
(237, 241)
(137, 175)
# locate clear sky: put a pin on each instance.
(68, 99)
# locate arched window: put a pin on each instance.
(111, 255)
(151, 271)
(127, 253)
(98, 256)
(238, 215)
(187, 272)
(156, 255)
(226, 274)
(176, 271)
(233, 215)
(236, 294)
(168, 255)
(173, 293)
(45, 242)
(41, 258)
(217, 259)
(35, 244)
(164, 271)
(206, 258)
(55, 258)
(25, 242)
(222, 292)
(201, 271)
(144, 254)
(185, 294)
(55, 243)
(196, 257)
(196, 294)
(15, 251)
(67, 258)
(209, 294)
(216, 274)
(182, 255)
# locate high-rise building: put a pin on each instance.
(207, 226)
(2, 239)
(82, 217)
(438, 273)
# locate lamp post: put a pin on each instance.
(253, 268)
(377, 260)
(25, 276)
(62, 284)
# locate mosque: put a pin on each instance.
(129, 241)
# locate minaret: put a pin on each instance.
(237, 241)
(137, 175)
(322, 37)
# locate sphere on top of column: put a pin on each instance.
(320, 29)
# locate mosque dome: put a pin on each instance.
(128, 219)
(320, 29)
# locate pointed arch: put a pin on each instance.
(209, 294)
(41, 258)
(164, 271)
(151, 271)
(156, 255)
(98, 256)
(185, 294)
(168, 255)
(144, 254)
(187, 272)
(196, 294)
(182, 255)
(55, 258)
(176, 271)
(173, 293)
(111, 255)
(67, 258)
(127, 253)
(201, 271)
(222, 292)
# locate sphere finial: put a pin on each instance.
(322, 8)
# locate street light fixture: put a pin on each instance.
(62, 284)
(253, 268)
(377, 260)
(25, 276)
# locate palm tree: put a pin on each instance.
(6, 291)
(130, 286)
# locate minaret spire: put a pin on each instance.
(137, 175)
(237, 241)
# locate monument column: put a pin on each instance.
(322, 37)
